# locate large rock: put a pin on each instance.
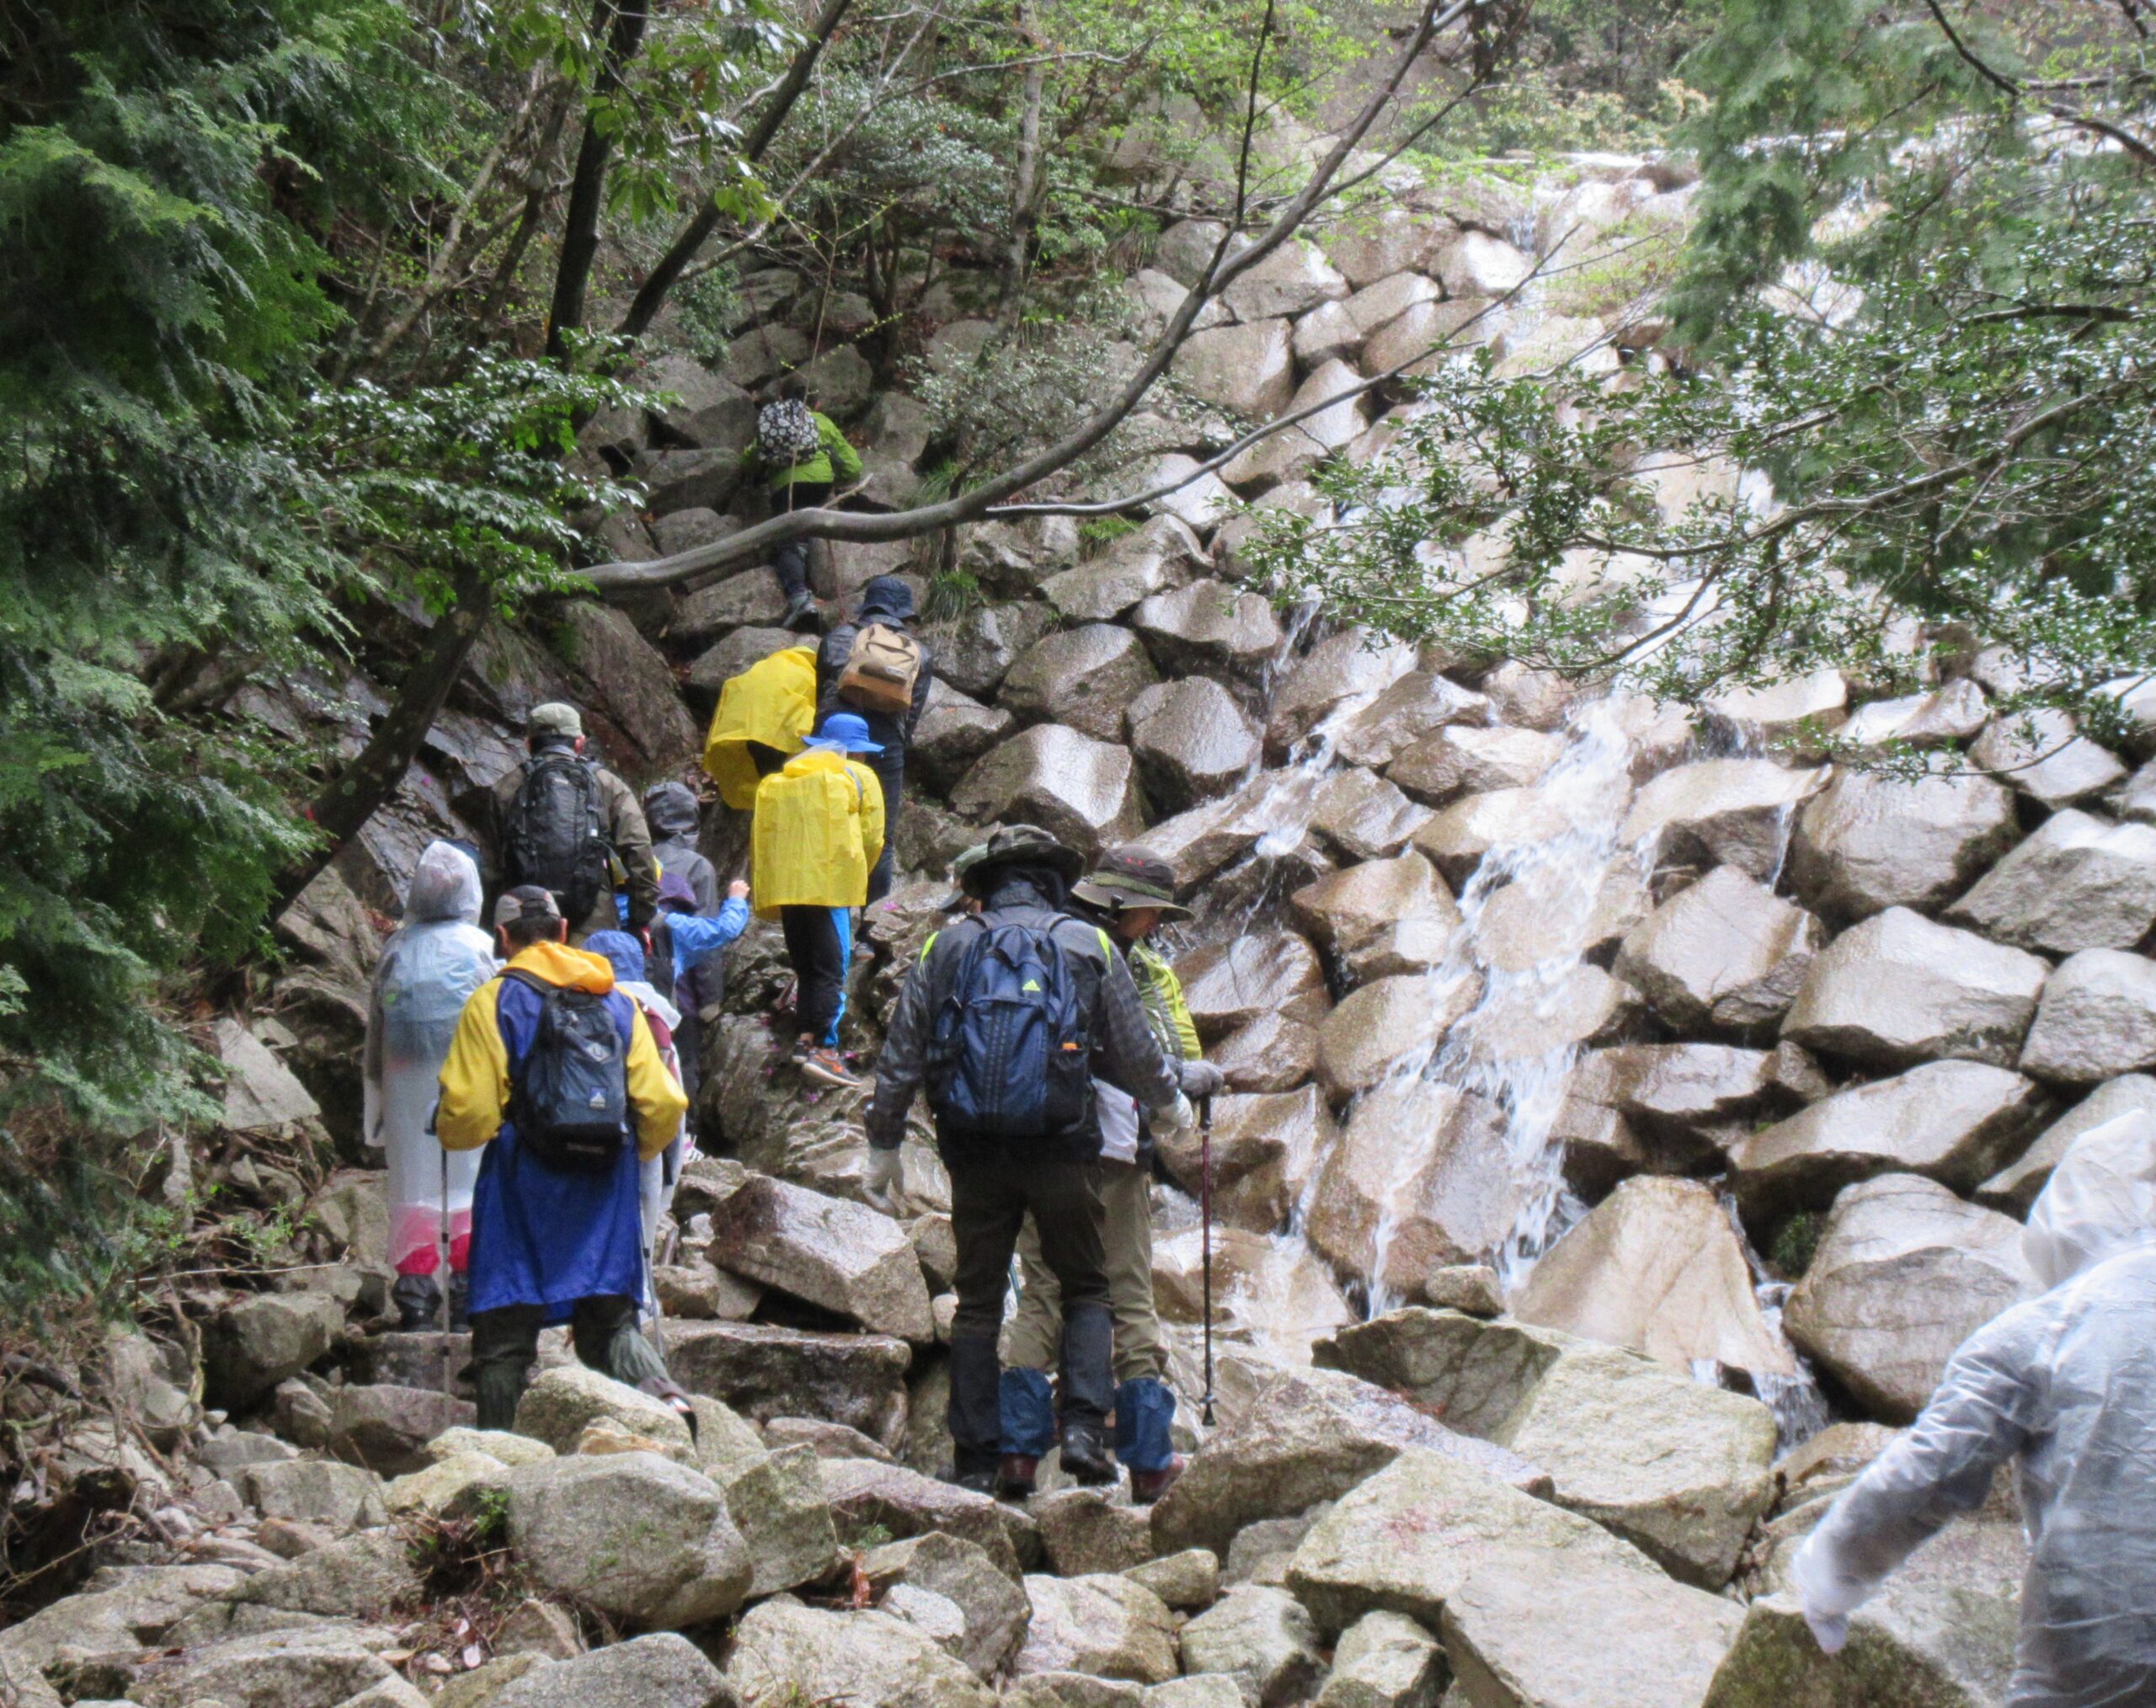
(386, 1426)
(1936, 1646)
(250, 1346)
(261, 1093)
(1293, 279)
(1248, 369)
(1899, 989)
(776, 1502)
(1160, 555)
(1311, 1436)
(1463, 758)
(865, 1494)
(1420, 1181)
(1084, 677)
(1735, 812)
(1688, 1098)
(1360, 816)
(1655, 1267)
(1326, 413)
(1387, 1027)
(1411, 709)
(1084, 791)
(1379, 917)
(1209, 626)
(2040, 755)
(2097, 1019)
(784, 1653)
(134, 1613)
(314, 1491)
(1105, 1625)
(1587, 1635)
(1385, 1661)
(1380, 239)
(2014, 1187)
(635, 704)
(1406, 1539)
(1420, 339)
(764, 1371)
(1192, 742)
(1264, 1149)
(991, 1602)
(844, 1257)
(2076, 883)
(1261, 1637)
(1795, 708)
(563, 1401)
(663, 1670)
(637, 1536)
(1228, 985)
(955, 729)
(1460, 834)
(1955, 1122)
(1905, 1274)
(1476, 264)
(977, 651)
(308, 1667)
(1343, 670)
(1725, 954)
(1867, 842)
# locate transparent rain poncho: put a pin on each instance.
(428, 967)
(2064, 1384)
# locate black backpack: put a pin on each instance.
(570, 1098)
(1009, 1054)
(555, 836)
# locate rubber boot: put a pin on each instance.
(418, 1303)
(1144, 1410)
(975, 1413)
(1028, 1414)
(460, 1301)
(1088, 1340)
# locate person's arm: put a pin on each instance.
(1135, 1059)
(695, 937)
(631, 839)
(370, 1069)
(921, 686)
(653, 1091)
(903, 1064)
(830, 665)
(751, 458)
(870, 806)
(474, 1076)
(846, 461)
(703, 880)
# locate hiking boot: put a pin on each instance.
(1147, 1487)
(670, 1394)
(972, 1481)
(1085, 1455)
(418, 1300)
(826, 1067)
(460, 1302)
(800, 613)
(1014, 1478)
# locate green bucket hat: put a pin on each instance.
(1020, 845)
(1132, 876)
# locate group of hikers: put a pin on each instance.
(533, 1091)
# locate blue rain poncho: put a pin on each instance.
(2065, 1386)
(428, 968)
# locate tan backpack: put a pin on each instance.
(881, 667)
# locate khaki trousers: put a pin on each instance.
(1034, 1338)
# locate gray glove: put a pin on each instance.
(1201, 1079)
(883, 1175)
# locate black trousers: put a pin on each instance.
(890, 768)
(603, 1329)
(790, 560)
(819, 954)
(992, 1190)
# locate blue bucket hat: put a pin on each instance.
(845, 732)
(620, 951)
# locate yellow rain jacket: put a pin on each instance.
(774, 702)
(819, 828)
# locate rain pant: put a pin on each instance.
(428, 968)
(542, 1236)
(657, 1175)
(771, 704)
(2064, 1384)
(819, 828)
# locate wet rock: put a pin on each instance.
(1192, 740)
(1531, 699)
(785, 1653)
(1688, 1096)
(1537, 918)
(991, 1602)
(1274, 1052)
(764, 1371)
(1583, 1005)
(2039, 755)
(1932, 1647)
(955, 729)
(1583, 1636)
(1420, 339)
(250, 1346)
(777, 1504)
(1379, 918)
(1905, 1274)
(1955, 1122)
(304, 1667)
(752, 599)
(1264, 1149)
(2097, 1019)
(1081, 790)
(315, 1491)
(1207, 625)
(1465, 759)
(1385, 1660)
(1262, 1639)
(1293, 279)
(1328, 333)
(2075, 882)
(1725, 954)
(386, 1427)
(1188, 1582)
(1327, 409)
(1339, 670)
(1410, 1537)
(1162, 554)
(1084, 677)
(632, 690)
(565, 1400)
(1736, 812)
(2014, 1187)
(663, 1670)
(684, 531)
(1307, 1437)
(1085, 1530)
(1363, 817)
(1898, 989)
(849, 1259)
(365, 1575)
(726, 659)
(1106, 1626)
(1477, 1375)
(1808, 706)
(865, 1493)
(1414, 708)
(1656, 1268)
(1470, 1288)
(1227, 986)
(1247, 369)
(1387, 1027)
(978, 651)
(1459, 835)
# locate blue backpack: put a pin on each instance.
(569, 1100)
(1011, 1053)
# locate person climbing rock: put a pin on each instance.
(802, 455)
(656, 1175)
(2063, 1385)
(428, 968)
(569, 826)
(674, 817)
(1130, 893)
(1005, 1020)
(555, 1078)
(765, 713)
(875, 666)
(817, 834)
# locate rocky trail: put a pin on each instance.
(1629, 1114)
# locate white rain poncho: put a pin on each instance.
(2066, 1385)
(430, 964)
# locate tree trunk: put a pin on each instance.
(1025, 173)
(624, 31)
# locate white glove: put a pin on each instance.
(883, 1175)
(1830, 1631)
(1827, 1598)
(1178, 1116)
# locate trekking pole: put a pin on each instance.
(448, 1278)
(1205, 1242)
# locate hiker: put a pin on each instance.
(429, 966)
(571, 827)
(1006, 1021)
(2064, 1385)
(818, 833)
(802, 455)
(765, 713)
(873, 665)
(555, 1074)
(656, 1175)
(675, 816)
(1131, 893)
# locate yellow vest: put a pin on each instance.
(819, 828)
(774, 702)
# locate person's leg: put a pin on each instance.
(812, 945)
(603, 1329)
(503, 1343)
(841, 965)
(890, 768)
(790, 560)
(1065, 1200)
(1144, 1406)
(986, 1211)
(1031, 1346)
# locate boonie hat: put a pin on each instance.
(1134, 878)
(845, 732)
(959, 867)
(526, 901)
(555, 717)
(1021, 845)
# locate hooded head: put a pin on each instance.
(885, 598)
(445, 885)
(621, 952)
(2100, 1201)
(673, 812)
